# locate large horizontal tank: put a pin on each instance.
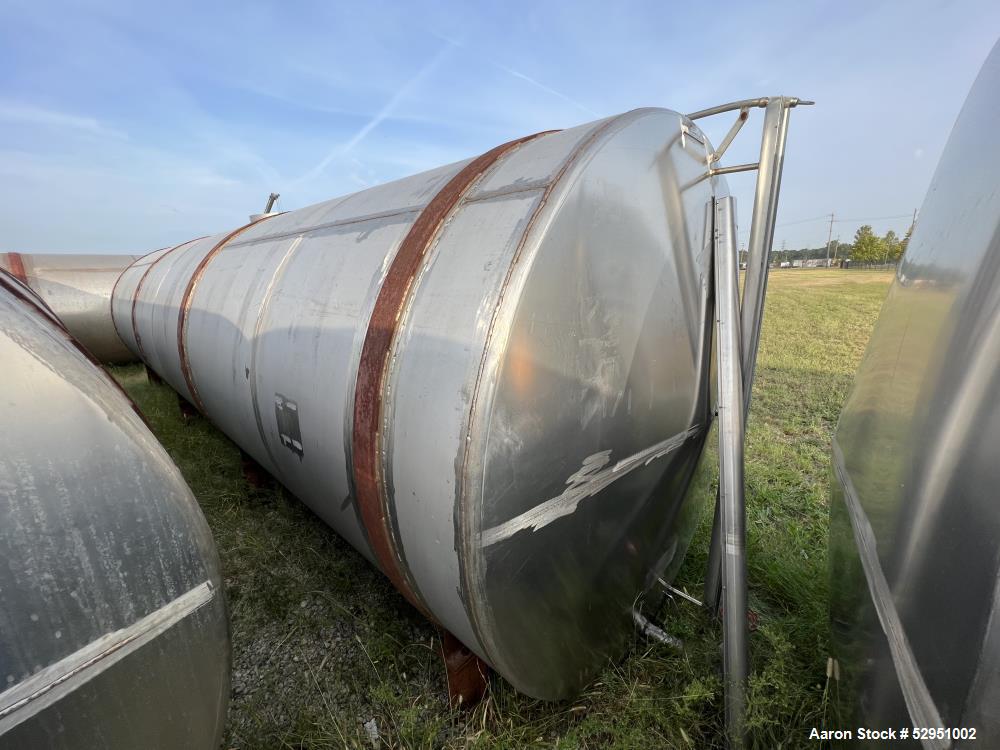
(78, 289)
(491, 378)
(113, 630)
(915, 532)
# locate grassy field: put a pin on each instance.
(322, 645)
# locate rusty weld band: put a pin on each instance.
(370, 495)
(185, 308)
(114, 288)
(16, 263)
(30, 297)
(138, 289)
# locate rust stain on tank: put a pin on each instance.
(138, 289)
(371, 498)
(185, 307)
(16, 263)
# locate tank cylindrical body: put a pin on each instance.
(491, 378)
(78, 289)
(915, 518)
(113, 628)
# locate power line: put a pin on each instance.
(826, 217)
(802, 221)
(876, 218)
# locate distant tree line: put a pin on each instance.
(867, 247)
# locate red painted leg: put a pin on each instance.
(188, 412)
(468, 675)
(253, 472)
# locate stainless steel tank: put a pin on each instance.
(915, 518)
(491, 378)
(78, 289)
(113, 630)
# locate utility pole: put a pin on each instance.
(829, 238)
(909, 233)
(885, 260)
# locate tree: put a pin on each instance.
(892, 247)
(868, 247)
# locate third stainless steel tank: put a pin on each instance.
(78, 289)
(915, 532)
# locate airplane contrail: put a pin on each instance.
(547, 89)
(519, 75)
(387, 109)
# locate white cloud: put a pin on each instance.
(28, 114)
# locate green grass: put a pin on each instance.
(323, 644)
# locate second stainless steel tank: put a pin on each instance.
(113, 628)
(491, 378)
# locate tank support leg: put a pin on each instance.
(188, 412)
(737, 326)
(255, 474)
(765, 208)
(732, 510)
(468, 675)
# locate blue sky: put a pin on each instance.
(130, 126)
